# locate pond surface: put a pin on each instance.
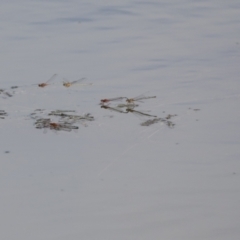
(165, 168)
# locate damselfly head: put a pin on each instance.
(42, 85)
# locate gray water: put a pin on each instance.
(116, 179)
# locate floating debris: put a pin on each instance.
(152, 121)
(170, 124)
(156, 120)
(170, 116)
(195, 109)
(62, 114)
(62, 119)
(2, 114)
(39, 110)
(47, 123)
(8, 94)
(2, 91)
(42, 123)
(34, 115)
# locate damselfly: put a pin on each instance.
(48, 81)
(127, 105)
(138, 98)
(68, 84)
(107, 100)
(2, 114)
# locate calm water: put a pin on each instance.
(116, 179)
